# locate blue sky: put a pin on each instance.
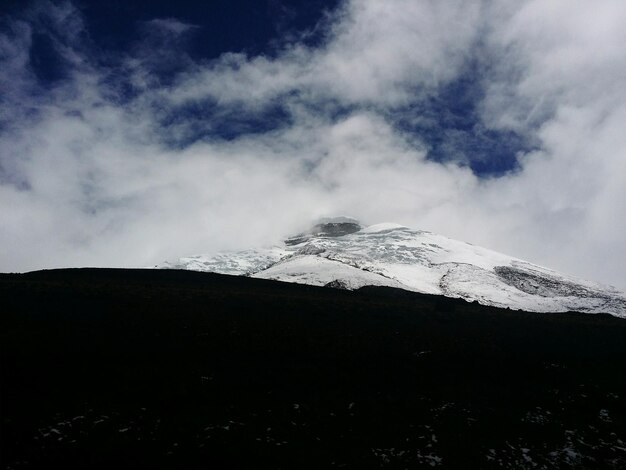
(132, 132)
(447, 122)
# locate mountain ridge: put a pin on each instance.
(181, 369)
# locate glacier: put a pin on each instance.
(340, 253)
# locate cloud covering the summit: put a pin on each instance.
(130, 159)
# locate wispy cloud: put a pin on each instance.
(133, 159)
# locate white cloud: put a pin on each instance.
(89, 180)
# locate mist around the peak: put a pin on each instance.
(500, 124)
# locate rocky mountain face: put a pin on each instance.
(341, 253)
(326, 228)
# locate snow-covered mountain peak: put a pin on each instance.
(340, 253)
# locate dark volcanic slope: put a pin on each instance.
(177, 369)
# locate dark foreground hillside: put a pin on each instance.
(176, 369)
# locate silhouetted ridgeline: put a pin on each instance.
(107, 368)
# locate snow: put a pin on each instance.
(317, 271)
(417, 277)
(382, 227)
(393, 255)
(235, 263)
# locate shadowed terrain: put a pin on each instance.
(104, 368)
